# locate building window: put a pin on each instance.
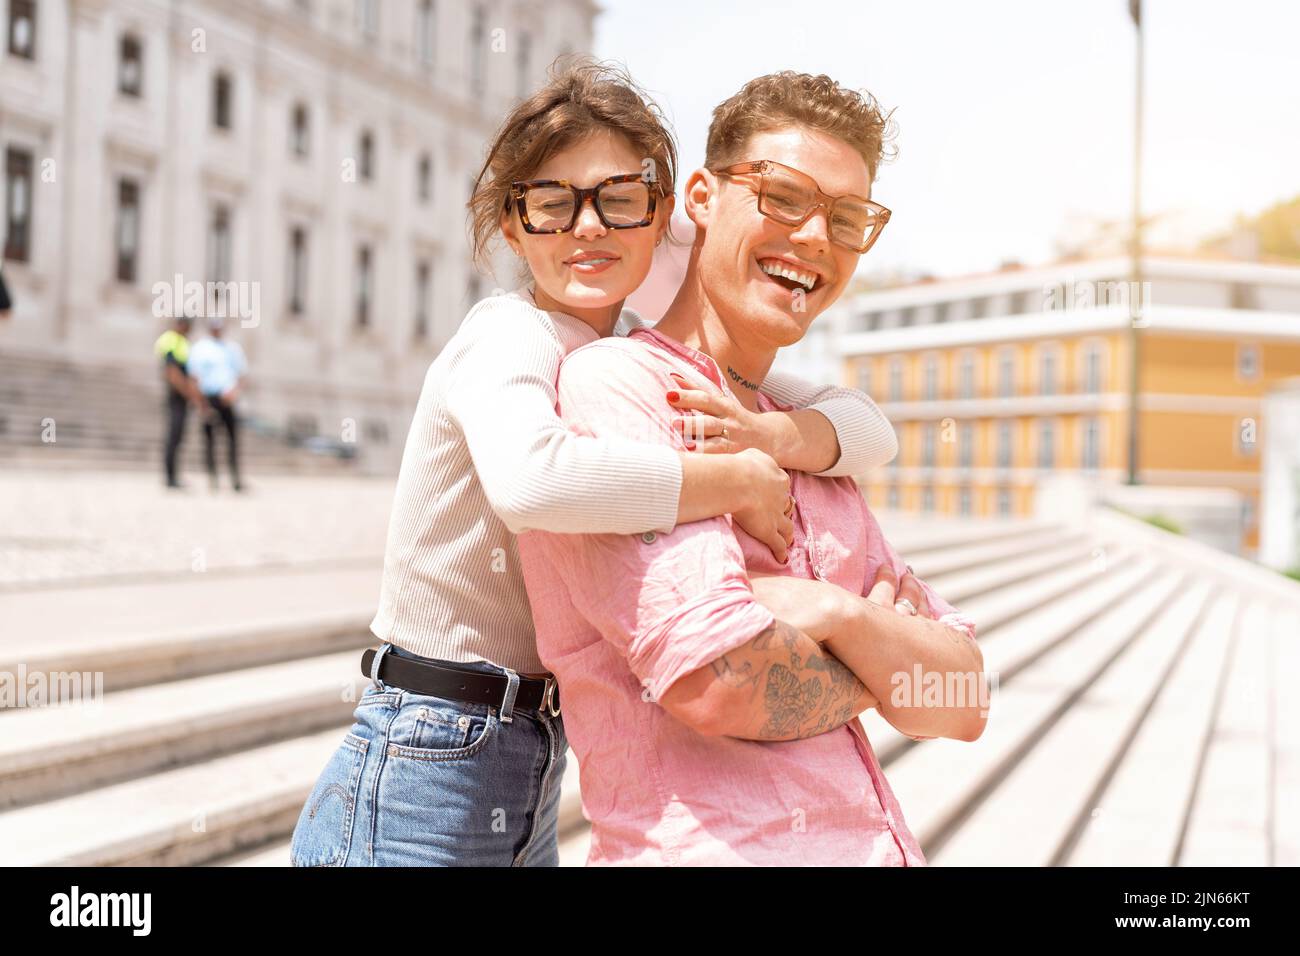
(964, 500)
(1004, 502)
(895, 497)
(1005, 451)
(222, 107)
(871, 321)
(366, 159)
(424, 26)
(864, 375)
(1047, 370)
(966, 385)
(940, 312)
(300, 131)
(1092, 369)
(896, 380)
(928, 433)
(424, 178)
(22, 28)
(1019, 303)
(130, 67)
(368, 17)
(1242, 296)
(1006, 373)
(18, 204)
(1248, 367)
(1046, 444)
(128, 229)
(523, 64)
(477, 40)
(219, 244)
(907, 316)
(422, 274)
(1090, 452)
(364, 268)
(966, 444)
(979, 307)
(927, 499)
(297, 270)
(931, 378)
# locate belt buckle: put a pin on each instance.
(549, 704)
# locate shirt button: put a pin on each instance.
(649, 537)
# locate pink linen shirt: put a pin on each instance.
(621, 617)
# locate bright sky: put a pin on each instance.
(1014, 116)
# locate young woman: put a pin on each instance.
(457, 750)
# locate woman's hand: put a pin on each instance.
(721, 423)
(767, 516)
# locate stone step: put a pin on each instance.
(265, 618)
(960, 586)
(980, 554)
(1228, 823)
(938, 782)
(914, 536)
(1140, 817)
(1023, 638)
(52, 752)
(180, 817)
(1032, 813)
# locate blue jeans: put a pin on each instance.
(427, 781)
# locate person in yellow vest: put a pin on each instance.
(173, 349)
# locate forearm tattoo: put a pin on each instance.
(796, 696)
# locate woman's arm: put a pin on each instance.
(537, 474)
(840, 432)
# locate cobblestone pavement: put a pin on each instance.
(63, 528)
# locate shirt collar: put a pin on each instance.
(703, 363)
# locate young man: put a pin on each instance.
(218, 365)
(708, 729)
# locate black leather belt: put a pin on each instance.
(455, 683)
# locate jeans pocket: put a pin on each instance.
(431, 728)
(323, 835)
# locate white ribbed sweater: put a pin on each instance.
(487, 457)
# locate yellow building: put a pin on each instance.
(986, 407)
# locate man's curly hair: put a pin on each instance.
(799, 99)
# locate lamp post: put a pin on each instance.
(1135, 269)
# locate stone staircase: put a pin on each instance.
(1142, 714)
(110, 417)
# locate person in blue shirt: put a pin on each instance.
(218, 365)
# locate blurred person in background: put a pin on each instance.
(173, 348)
(218, 366)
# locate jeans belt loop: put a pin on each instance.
(374, 667)
(508, 702)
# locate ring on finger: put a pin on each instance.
(906, 605)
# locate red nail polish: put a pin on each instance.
(690, 446)
(673, 396)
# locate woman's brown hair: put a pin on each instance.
(582, 96)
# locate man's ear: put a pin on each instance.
(701, 197)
